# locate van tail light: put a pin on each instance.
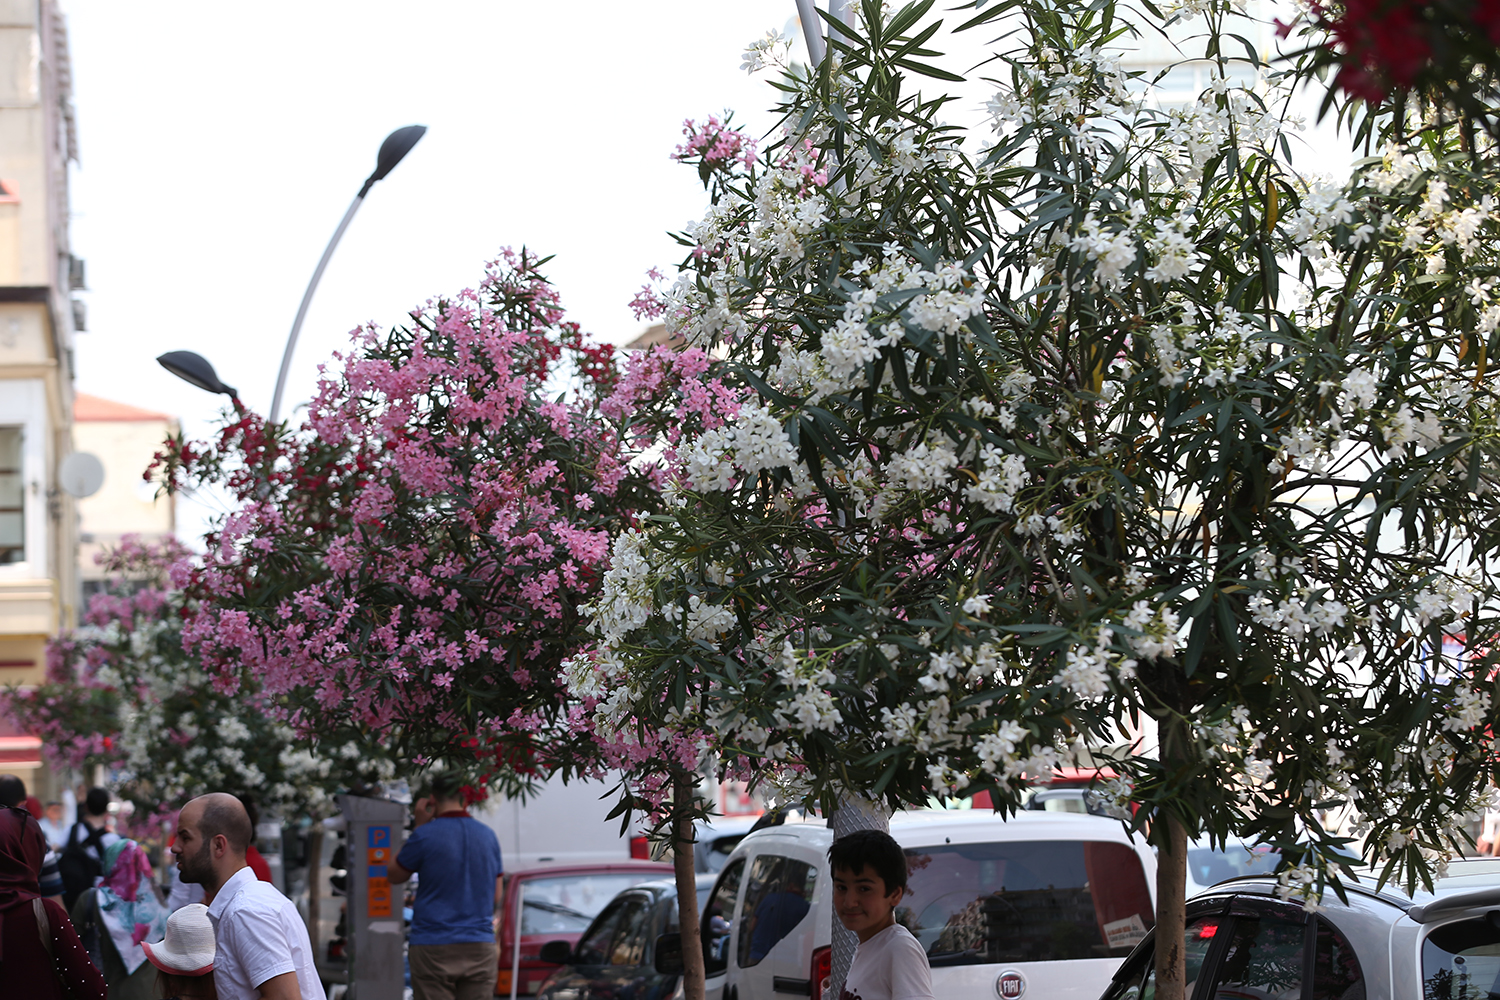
(822, 968)
(502, 983)
(640, 849)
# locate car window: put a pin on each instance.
(717, 916)
(1264, 960)
(628, 947)
(593, 948)
(1461, 961)
(566, 903)
(1025, 901)
(1336, 972)
(1208, 865)
(777, 897)
(1138, 981)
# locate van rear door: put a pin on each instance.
(1047, 918)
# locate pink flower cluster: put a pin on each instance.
(715, 144)
(411, 560)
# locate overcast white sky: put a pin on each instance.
(221, 143)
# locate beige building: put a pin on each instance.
(125, 439)
(38, 317)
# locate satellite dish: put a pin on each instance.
(81, 474)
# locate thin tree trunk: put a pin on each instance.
(1171, 908)
(683, 839)
(314, 872)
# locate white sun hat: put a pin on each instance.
(188, 948)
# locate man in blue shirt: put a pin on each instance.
(452, 944)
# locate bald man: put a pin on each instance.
(262, 946)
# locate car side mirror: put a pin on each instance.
(669, 955)
(556, 952)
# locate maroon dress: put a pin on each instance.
(25, 967)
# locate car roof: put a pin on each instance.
(612, 868)
(1470, 882)
(924, 827)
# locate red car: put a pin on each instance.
(556, 904)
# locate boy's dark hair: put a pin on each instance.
(96, 802)
(872, 849)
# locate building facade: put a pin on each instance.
(39, 589)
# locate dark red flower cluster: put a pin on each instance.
(1385, 46)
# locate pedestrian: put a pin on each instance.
(54, 827)
(82, 859)
(13, 793)
(184, 958)
(112, 918)
(869, 879)
(452, 942)
(40, 953)
(261, 945)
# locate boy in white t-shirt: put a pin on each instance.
(869, 879)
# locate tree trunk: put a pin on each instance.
(314, 872)
(683, 839)
(1171, 908)
(852, 814)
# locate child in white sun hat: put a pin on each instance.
(185, 957)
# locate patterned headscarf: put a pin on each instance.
(127, 902)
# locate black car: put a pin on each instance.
(616, 957)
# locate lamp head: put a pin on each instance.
(396, 146)
(195, 369)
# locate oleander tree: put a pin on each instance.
(1107, 435)
(122, 692)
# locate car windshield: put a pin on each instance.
(1025, 901)
(1461, 961)
(1209, 865)
(565, 904)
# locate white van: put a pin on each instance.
(1044, 905)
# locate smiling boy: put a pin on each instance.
(869, 879)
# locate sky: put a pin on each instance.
(222, 142)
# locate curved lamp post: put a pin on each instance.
(396, 146)
(194, 368)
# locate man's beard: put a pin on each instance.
(196, 868)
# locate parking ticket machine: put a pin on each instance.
(375, 829)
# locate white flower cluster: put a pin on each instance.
(752, 443)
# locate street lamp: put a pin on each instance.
(195, 368)
(396, 146)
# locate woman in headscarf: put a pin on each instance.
(32, 965)
(121, 911)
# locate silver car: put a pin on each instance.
(1244, 943)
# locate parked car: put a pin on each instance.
(1243, 941)
(556, 904)
(1044, 903)
(615, 957)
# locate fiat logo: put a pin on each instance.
(1011, 985)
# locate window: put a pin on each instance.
(566, 904)
(1336, 973)
(1264, 960)
(1137, 981)
(594, 947)
(629, 944)
(717, 916)
(12, 498)
(1461, 961)
(1209, 865)
(777, 898)
(1026, 901)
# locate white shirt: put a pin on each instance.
(182, 893)
(56, 833)
(889, 966)
(259, 935)
(81, 832)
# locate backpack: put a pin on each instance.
(77, 866)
